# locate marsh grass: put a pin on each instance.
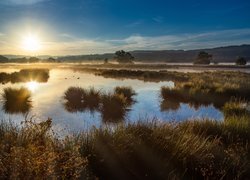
(202, 149)
(113, 105)
(235, 108)
(207, 90)
(127, 92)
(79, 99)
(33, 152)
(16, 100)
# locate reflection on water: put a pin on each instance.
(16, 100)
(48, 100)
(113, 106)
(170, 105)
(32, 85)
(25, 75)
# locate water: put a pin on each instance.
(47, 101)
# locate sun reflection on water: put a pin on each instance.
(32, 85)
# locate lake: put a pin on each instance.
(47, 101)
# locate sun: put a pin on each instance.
(31, 43)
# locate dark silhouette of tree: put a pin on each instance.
(106, 61)
(241, 61)
(203, 58)
(123, 57)
(3, 59)
(33, 60)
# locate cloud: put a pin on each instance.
(158, 19)
(135, 24)
(21, 2)
(71, 45)
(185, 41)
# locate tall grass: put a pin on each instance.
(31, 152)
(145, 150)
(16, 100)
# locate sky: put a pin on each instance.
(72, 27)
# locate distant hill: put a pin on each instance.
(220, 54)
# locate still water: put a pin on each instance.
(47, 101)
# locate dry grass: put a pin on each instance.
(145, 150)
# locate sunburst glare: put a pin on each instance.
(31, 43)
(32, 85)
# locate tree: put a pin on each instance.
(241, 61)
(106, 61)
(203, 58)
(3, 59)
(123, 57)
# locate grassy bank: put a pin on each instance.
(146, 150)
(207, 88)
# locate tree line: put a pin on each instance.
(121, 57)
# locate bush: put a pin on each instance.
(241, 61)
(203, 58)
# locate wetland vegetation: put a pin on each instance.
(146, 149)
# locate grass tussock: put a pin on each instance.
(150, 150)
(235, 108)
(113, 106)
(79, 99)
(16, 100)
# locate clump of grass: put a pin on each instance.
(16, 100)
(80, 99)
(74, 97)
(92, 99)
(127, 92)
(235, 108)
(113, 106)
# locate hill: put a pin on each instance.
(220, 54)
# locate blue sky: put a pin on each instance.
(99, 26)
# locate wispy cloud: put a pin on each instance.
(134, 24)
(21, 2)
(186, 41)
(158, 19)
(73, 45)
